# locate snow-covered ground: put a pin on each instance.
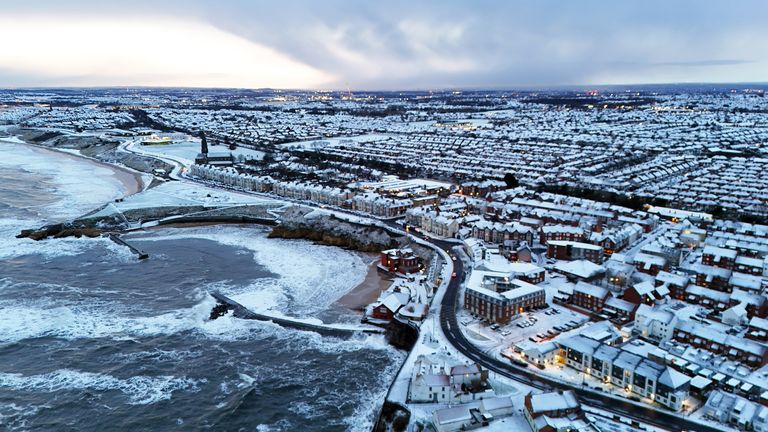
(186, 151)
(181, 194)
(538, 322)
(323, 142)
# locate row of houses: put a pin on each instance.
(750, 353)
(730, 259)
(498, 233)
(626, 370)
(570, 251)
(736, 411)
(369, 202)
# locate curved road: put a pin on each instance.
(452, 331)
(450, 326)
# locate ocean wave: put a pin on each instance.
(140, 390)
(310, 277)
(12, 247)
(109, 320)
(17, 417)
(78, 185)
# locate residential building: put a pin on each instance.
(568, 250)
(589, 297)
(399, 261)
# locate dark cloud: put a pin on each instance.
(486, 43)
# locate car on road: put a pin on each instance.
(453, 275)
(519, 362)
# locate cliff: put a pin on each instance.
(303, 223)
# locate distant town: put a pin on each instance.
(587, 260)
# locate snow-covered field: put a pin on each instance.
(181, 194)
(186, 151)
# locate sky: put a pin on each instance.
(380, 45)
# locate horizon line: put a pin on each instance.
(415, 89)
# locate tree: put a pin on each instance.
(511, 180)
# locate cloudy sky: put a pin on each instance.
(392, 44)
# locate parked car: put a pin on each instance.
(519, 362)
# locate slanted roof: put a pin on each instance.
(554, 401)
(673, 379)
(580, 268)
(589, 289)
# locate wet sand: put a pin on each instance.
(368, 291)
(131, 180)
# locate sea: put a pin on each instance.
(92, 339)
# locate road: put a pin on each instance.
(451, 328)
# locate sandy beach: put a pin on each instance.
(131, 180)
(368, 291)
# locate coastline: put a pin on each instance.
(367, 291)
(355, 300)
(132, 181)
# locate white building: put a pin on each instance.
(655, 323)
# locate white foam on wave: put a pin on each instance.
(28, 321)
(12, 247)
(315, 276)
(16, 417)
(80, 185)
(23, 321)
(364, 416)
(140, 390)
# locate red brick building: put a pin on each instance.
(719, 257)
(568, 250)
(399, 261)
(674, 282)
(716, 278)
(650, 264)
(499, 307)
(589, 297)
(560, 232)
(645, 293)
(540, 409)
(386, 308)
